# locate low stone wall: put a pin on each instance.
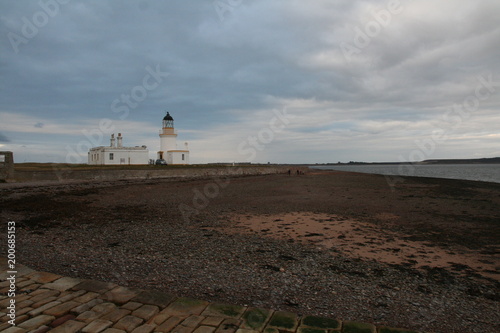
(6, 166)
(64, 174)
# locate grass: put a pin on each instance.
(77, 167)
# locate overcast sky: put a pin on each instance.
(286, 81)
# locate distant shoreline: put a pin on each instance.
(492, 160)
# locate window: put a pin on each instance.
(122, 160)
(111, 156)
(183, 157)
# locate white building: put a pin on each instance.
(168, 144)
(116, 154)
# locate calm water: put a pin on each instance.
(481, 172)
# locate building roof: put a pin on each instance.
(168, 117)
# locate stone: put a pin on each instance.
(71, 295)
(146, 311)
(14, 329)
(97, 326)
(22, 284)
(62, 284)
(284, 320)
(21, 318)
(224, 310)
(36, 322)
(62, 320)
(169, 324)
(61, 309)
(320, 322)
(42, 329)
(24, 304)
(71, 326)
(158, 319)
(44, 301)
(355, 327)
(192, 321)
(37, 311)
(116, 315)
(212, 321)
(87, 306)
(311, 330)
(131, 306)
(113, 330)
(104, 308)
(154, 298)
(120, 295)
(88, 296)
(394, 330)
(31, 287)
(144, 329)
(95, 286)
(246, 330)
(255, 318)
(23, 311)
(128, 323)
(20, 271)
(88, 316)
(183, 329)
(43, 277)
(184, 305)
(44, 295)
(228, 326)
(204, 329)
(271, 330)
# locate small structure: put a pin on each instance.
(116, 154)
(6, 166)
(168, 144)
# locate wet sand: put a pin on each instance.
(363, 240)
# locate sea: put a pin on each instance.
(478, 172)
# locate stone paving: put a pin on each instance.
(47, 302)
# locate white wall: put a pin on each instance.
(175, 157)
(120, 156)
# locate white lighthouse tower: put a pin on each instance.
(168, 144)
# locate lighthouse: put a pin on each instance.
(168, 144)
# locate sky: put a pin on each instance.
(280, 81)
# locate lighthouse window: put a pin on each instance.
(111, 156)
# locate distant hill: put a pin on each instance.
(491, 160)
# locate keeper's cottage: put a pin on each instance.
(116, 153)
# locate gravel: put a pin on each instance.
(134, 234)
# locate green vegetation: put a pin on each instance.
(283, 319)
(320, 322)
(226, 309)
(354, 327)
(73, 167)
(256, 318)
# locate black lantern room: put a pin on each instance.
(168, 121)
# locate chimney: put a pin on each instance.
(112, 140)
(119, 140)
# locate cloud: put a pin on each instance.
(227, 76)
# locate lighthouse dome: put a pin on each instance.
(168, 121)
(168, 117)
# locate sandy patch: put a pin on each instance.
(363, 240)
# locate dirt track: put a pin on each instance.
(134, 233)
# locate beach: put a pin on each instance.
(421, 254)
